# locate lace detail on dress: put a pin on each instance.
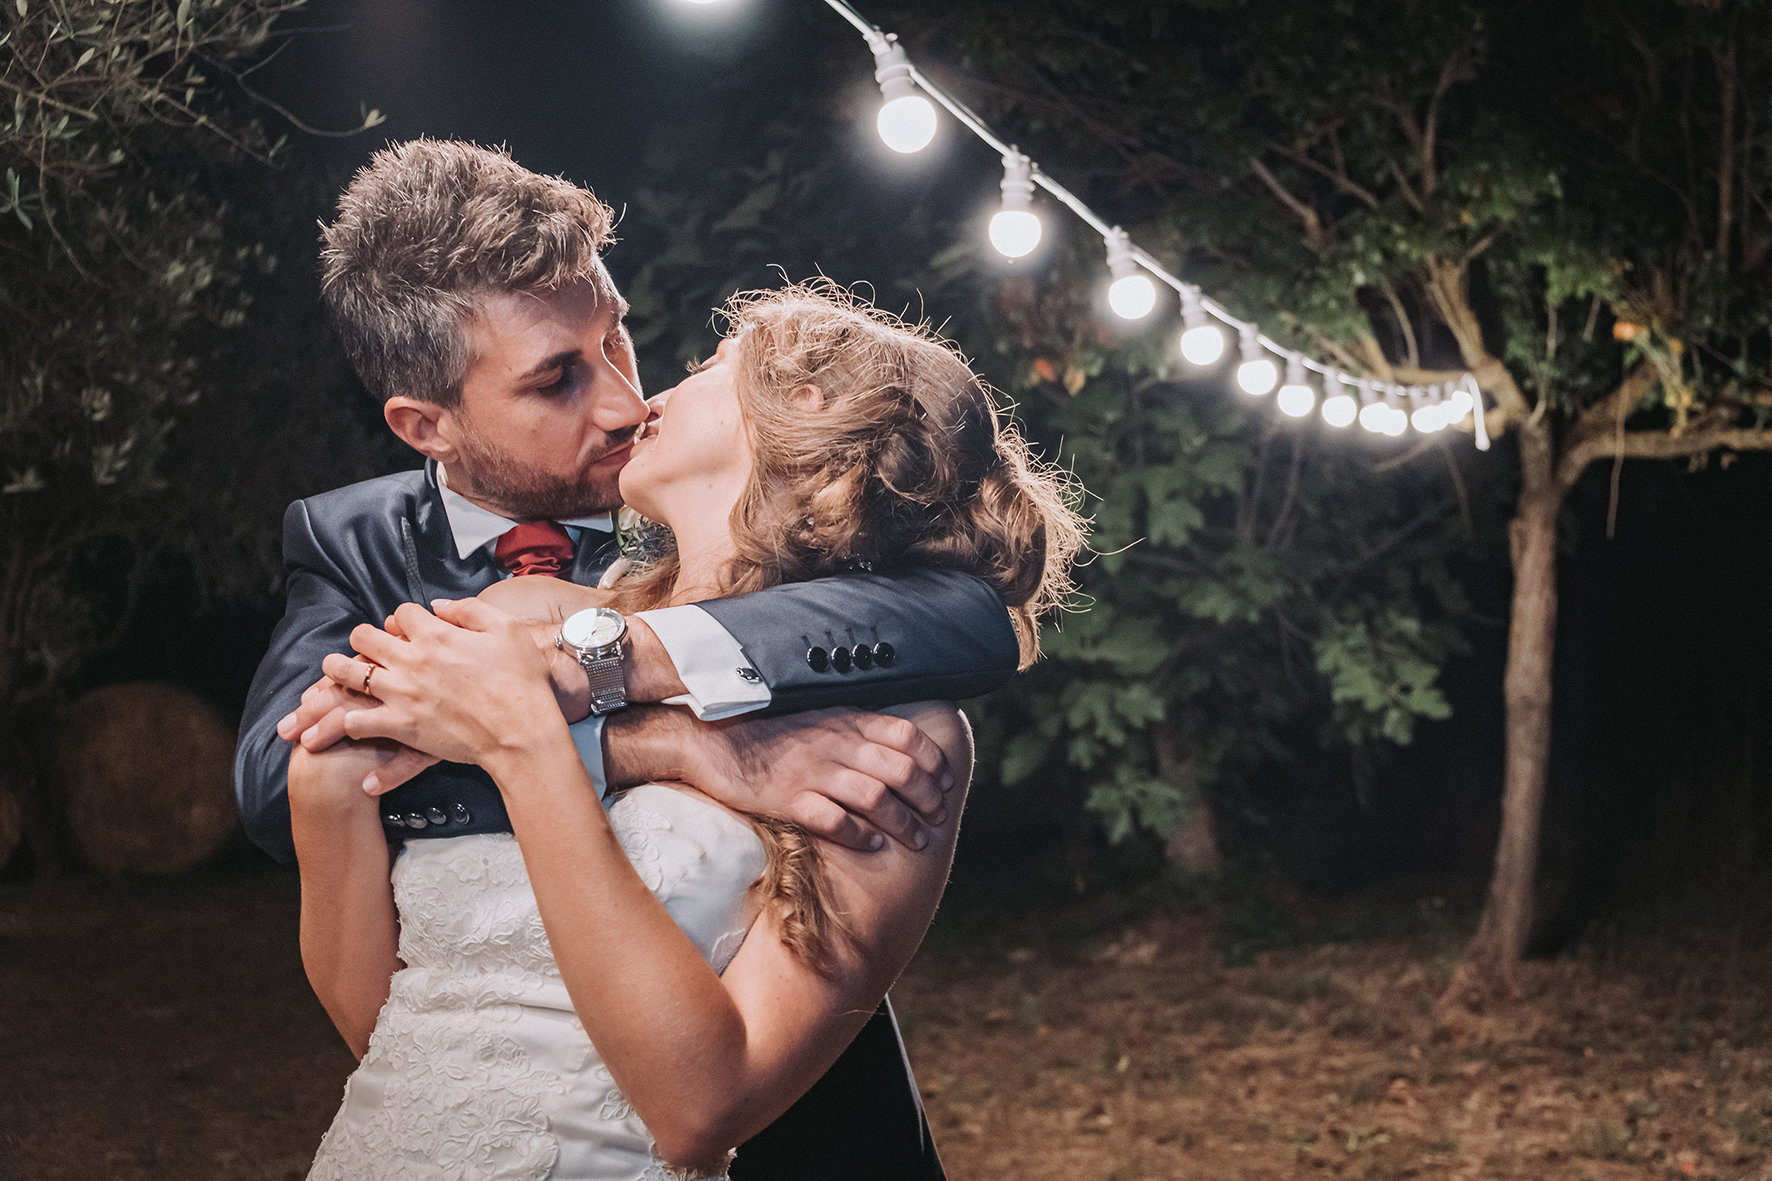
(479, 1069)
(660, 1171)
(634, 826)
(725, 947)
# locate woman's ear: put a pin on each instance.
(423, 426)
(808, 398)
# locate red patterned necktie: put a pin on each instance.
(540, 547)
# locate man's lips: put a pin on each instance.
(615, 455)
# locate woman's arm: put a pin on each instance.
(349, 933)
(707, 1061)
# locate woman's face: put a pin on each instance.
(693, 456)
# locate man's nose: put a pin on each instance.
(618, 402)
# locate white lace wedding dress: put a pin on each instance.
(478, 1069)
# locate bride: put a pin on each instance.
(626, 994)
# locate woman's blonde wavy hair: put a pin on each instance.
(900, 459)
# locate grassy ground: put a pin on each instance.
(164, 1030)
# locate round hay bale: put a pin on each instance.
(147, 778)
(12, 820)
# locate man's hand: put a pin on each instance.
(850, 777)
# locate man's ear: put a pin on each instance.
(423, 426)
(807, 397)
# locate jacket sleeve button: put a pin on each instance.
(883, 654)
(436, 816)
(817, 658)
(840, 659)
(863, 656)
(415, 821)
(392, 820)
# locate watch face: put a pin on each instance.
(593, 628)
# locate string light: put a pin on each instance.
(907, 119)
(1296, 397)
(1372, 412)
(1428, 416)
(1339, 407)
(907, 122)
(1015, 230)
(1256, 374)
(1132, 294)
(1201, 343)
(1395, 421)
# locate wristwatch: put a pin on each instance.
(595, 638)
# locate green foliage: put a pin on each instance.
(1256, 585)
(145, 396)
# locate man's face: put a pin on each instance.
(548, 406)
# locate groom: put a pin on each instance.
(472, 298)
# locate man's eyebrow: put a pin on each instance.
(557, 361)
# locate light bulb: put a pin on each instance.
(1428, 419)
(907, 119)
(1015, 233)
(1201, 341)
(1202, 345)
(907, 124)
(1256, 374)
(1374, 416)
(1395, 421)
(1340, 409)
(1132, 294)
(1296, 397)
(1015, 230)
(1132, 297)
(1257, 377)
(1460, 404)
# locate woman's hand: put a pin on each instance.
(466, 684)
(330, 782)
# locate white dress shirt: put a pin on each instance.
(719, 680)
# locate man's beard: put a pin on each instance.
(523, 492)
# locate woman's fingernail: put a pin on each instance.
(284, 725)
(876, 842)
(371, 785)
(435, 603)
(947, 781)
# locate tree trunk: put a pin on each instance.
(1490, 968)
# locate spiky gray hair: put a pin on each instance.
(426, 230)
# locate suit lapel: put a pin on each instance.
(444, 574)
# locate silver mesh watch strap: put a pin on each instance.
(609, 688)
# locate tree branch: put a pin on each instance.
(1314, 235)
(1340, 178)
(1658, 445)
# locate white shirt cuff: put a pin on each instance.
(710, 663)
(587, 735)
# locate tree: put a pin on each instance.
(1567, 203)
(146, 410)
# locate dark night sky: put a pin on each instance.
(575, 88)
